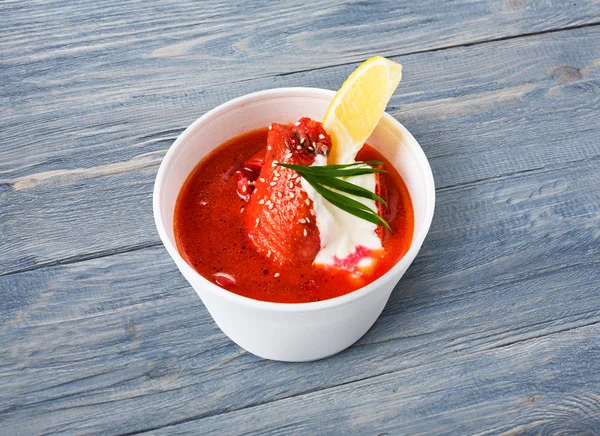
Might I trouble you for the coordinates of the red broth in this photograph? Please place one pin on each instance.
(211, 237)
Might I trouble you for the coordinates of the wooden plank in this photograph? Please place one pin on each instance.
(88, 190)
(532, 387)
(121, 343)
(56, 51)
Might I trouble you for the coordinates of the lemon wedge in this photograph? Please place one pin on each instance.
(357, 107)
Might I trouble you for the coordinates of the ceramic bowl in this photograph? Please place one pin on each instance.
(303, 331)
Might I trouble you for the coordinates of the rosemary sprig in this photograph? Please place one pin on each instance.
(326, 181)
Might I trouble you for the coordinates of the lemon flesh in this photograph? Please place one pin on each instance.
(357, 107)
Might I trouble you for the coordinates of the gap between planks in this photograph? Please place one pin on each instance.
(410, 53)
(85, 256)
(538, 170)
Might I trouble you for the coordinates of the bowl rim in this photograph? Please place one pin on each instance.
(348, 298)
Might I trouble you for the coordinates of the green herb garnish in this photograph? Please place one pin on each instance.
(326, 181)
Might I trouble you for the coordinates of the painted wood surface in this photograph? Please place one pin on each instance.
(494, 328)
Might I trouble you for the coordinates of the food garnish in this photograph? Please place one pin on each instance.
(358, 105)
(350, 119)
(326, 181)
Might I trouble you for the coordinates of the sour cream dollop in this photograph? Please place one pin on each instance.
(346, 241)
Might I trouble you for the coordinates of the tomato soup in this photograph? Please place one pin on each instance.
(211, 235)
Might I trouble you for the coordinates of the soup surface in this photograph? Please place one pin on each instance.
(211, 235)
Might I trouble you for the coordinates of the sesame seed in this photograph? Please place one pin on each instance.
(271, 206)
(307, 201)
(305, 232)
(314, 144)
(242, 210)
(268, 202)
(310, 149)
(312, 212)
(297, 123)
(291, 195)
(262, 179)
(257, 220)
(276, 275)
(275, 179)
(298, 147)
(276, 172)
(321, 136)
(269, 253)
(291, 185)
(301, 140)
(269, 147)
(270, 127)
(308, 220)
(274, 163)
(262, 201)
(288, 156)
(301, 220)
(244, 188)
(280, 195)
(273, 183)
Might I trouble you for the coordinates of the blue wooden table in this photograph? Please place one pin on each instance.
(495, 329)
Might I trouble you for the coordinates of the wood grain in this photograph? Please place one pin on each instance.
(58, 52)
(88, 190)
(493, 330)
(121, 343)
(501, 391)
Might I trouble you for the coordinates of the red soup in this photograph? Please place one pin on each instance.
(212, 234)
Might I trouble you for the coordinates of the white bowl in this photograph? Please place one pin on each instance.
(303, 331)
